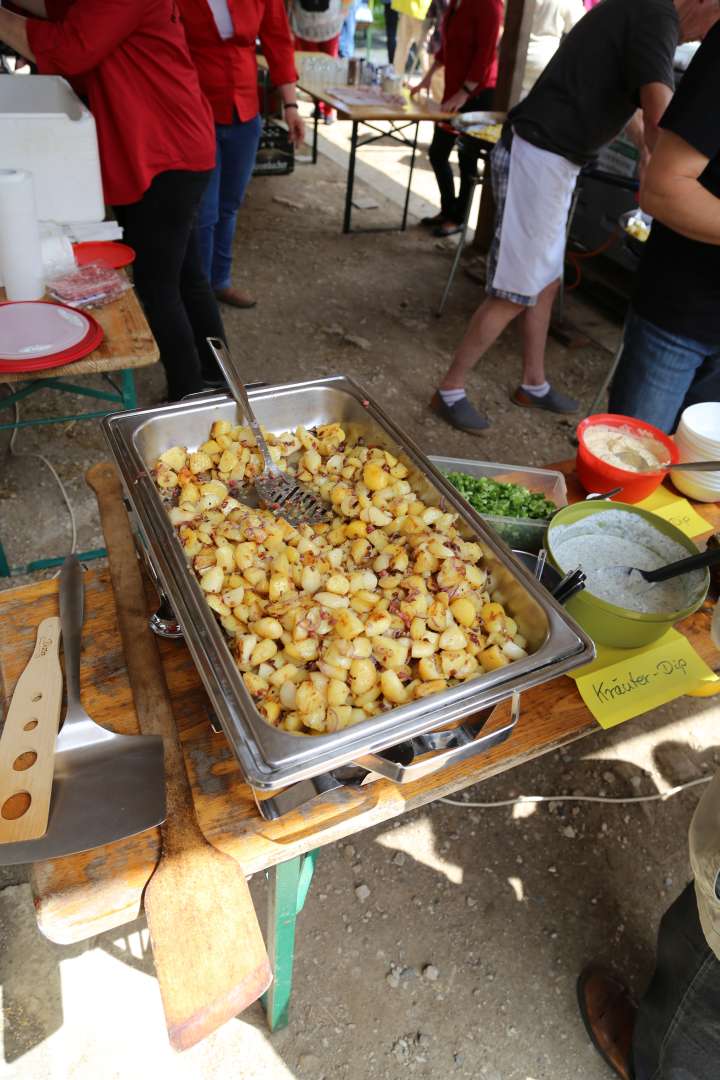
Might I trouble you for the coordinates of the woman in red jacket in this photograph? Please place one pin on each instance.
(222, 37)
(129, 58)
(468, 51)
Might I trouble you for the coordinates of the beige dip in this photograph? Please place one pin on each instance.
(625, 449)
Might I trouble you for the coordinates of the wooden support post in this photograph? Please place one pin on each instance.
(511, 68)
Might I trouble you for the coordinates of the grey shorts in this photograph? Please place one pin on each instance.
(500, 173)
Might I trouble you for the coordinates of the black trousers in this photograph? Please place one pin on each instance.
(677, 1029)
(453, 206)
(391, 22)
(179, 304)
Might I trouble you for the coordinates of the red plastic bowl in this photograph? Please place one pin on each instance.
(596, 475)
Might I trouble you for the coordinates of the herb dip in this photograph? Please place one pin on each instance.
(600, 542)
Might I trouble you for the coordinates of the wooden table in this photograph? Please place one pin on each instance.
(397, 113)
(128, 344)
(83, 895)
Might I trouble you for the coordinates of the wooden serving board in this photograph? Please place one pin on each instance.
(82, 895)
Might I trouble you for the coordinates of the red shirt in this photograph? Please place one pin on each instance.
(468, 44)
(227, 68)
(130, 59)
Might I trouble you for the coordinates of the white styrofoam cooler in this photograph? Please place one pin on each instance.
(46, 129)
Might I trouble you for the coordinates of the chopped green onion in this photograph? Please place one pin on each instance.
(499, 499)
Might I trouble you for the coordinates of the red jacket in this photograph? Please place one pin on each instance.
(468, 43)
(227, 68)
(131, 60)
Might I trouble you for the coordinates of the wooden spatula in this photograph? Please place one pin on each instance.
(209, 952)
(27, 746)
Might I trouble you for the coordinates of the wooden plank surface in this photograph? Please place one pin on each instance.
(85, 894)
(319, 88)
(128, 343)
(417, 108)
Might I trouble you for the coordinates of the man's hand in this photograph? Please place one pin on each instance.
(295, 126)
(456, 101)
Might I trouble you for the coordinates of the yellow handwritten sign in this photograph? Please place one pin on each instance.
(622, 683)
(681, 514)
(659, 497)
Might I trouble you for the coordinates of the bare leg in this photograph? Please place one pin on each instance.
(486, 326)
(534, 327)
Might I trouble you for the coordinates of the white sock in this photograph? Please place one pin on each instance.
(537, 391)
(451, 397)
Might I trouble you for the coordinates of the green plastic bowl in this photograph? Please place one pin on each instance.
(610, 624)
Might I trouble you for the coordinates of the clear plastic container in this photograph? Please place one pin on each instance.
(528, 534)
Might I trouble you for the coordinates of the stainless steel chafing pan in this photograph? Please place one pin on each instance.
(271, 758)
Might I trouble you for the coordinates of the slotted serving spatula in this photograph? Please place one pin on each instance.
(280, 492)
(27, 745)
(104, 786)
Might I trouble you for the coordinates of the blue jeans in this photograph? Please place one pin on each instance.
(660, 374)
(237, 145)
(677, 1030)
(347, 34)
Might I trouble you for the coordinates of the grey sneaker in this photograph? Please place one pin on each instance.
(462, 415)
(553, 401)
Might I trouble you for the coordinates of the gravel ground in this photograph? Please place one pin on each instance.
(446, 943)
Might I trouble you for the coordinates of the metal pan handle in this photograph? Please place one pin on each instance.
(454, 745)
(463, 743)
(299, 794)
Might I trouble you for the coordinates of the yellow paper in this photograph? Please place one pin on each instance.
(622, 683)
(685, 517)
(660, 497)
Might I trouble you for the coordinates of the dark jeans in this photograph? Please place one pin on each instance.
(391, 22)
(677, 1030)
(180, 305)
(660, 374)
(237, 145)
(453, 207)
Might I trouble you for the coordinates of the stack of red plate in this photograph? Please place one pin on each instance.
(39, 334)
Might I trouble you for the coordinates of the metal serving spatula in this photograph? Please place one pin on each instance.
(281, 493)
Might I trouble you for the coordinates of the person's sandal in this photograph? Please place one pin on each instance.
(553, 401)
(608, 1013)
(462, 415)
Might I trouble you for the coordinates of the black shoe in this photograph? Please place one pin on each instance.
(431, 222)
(462, 415)
(447, 228)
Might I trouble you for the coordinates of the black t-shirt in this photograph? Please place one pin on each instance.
(591, 87)
(678, 286)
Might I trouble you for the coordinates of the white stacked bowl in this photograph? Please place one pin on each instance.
(698, 439)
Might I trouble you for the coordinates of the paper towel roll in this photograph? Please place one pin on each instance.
(20, 252)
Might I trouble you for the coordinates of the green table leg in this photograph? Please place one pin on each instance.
(289, 887)
(127, 389)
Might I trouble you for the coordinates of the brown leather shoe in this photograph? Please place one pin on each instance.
(235, 298)
(608, 1013)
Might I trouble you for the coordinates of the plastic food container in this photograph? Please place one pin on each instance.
(527, 534)
(46, 129)
(596, 475)
(611, 624)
